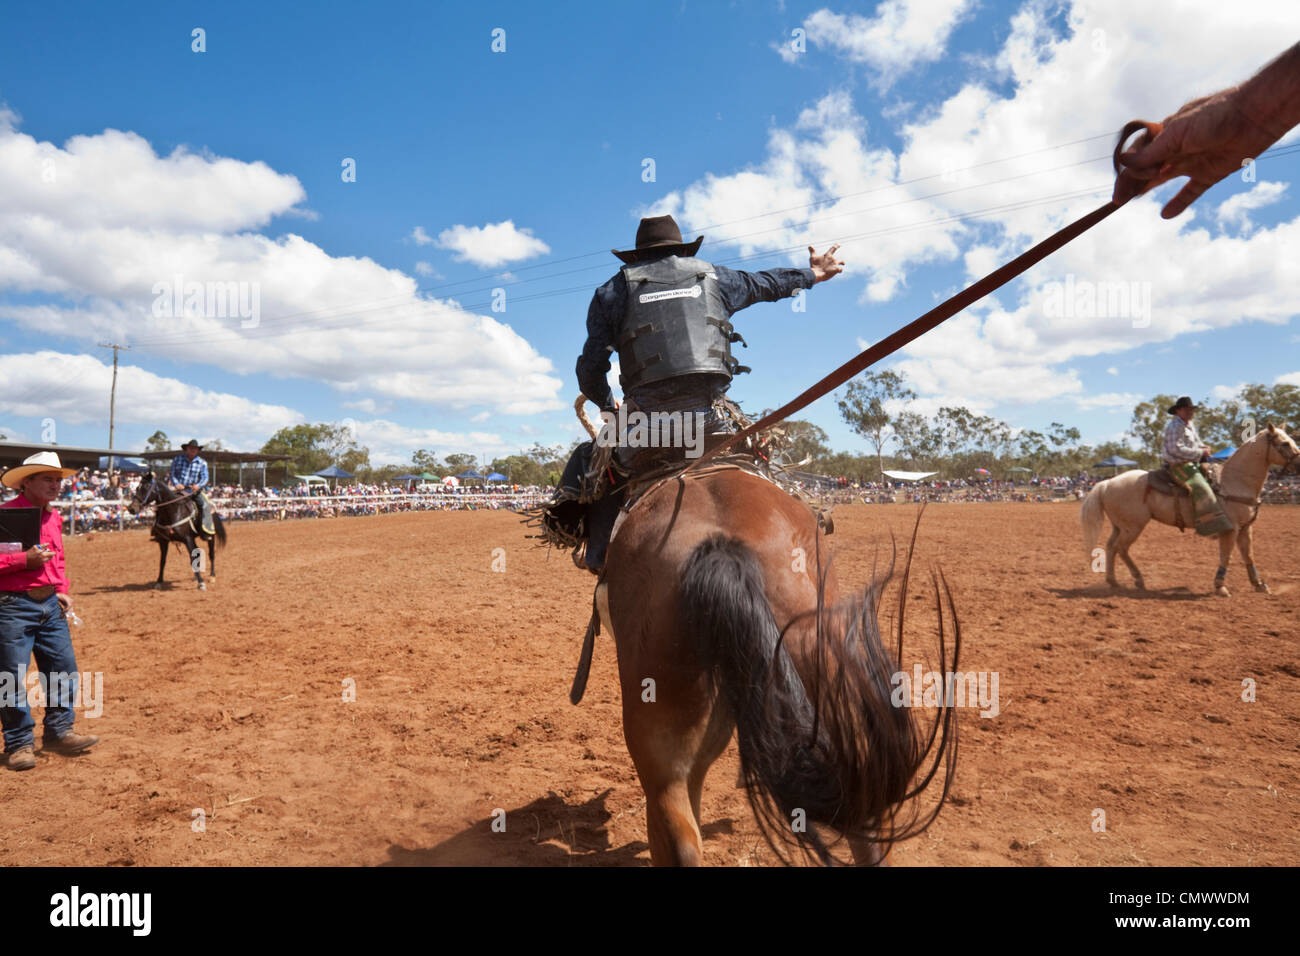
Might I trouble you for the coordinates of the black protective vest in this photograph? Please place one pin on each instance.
(675, 323)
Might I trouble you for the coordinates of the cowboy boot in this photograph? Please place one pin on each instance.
(24, 758)
(205, 514)
(1210, 517)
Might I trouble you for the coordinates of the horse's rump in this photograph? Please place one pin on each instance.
(720, 591)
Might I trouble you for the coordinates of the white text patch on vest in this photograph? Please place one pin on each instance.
(691, 293)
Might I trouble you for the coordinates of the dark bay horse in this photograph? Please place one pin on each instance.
(724, 613)
(176, 518)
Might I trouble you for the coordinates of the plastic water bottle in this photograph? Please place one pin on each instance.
(72, 617)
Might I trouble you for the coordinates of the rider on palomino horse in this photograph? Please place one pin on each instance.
(190, 474)
(673, 336)
(1183, 453)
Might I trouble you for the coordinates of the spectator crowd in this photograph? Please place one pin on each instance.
(100, 501)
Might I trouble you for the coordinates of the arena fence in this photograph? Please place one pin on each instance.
(112, 513)
(100, 514)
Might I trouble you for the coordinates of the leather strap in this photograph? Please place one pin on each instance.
(946, 310)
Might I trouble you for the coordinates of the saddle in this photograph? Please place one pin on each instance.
(1162, 482)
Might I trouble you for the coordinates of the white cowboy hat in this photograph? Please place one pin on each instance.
(37, 463)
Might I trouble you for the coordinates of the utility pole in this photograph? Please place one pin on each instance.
(112, 414)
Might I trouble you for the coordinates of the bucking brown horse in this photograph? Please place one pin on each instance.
(723, 608)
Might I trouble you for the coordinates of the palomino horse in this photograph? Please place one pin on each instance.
(1129, 504)
(720, 610)
(176, 518)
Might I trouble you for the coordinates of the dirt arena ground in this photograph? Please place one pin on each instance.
(231, 701)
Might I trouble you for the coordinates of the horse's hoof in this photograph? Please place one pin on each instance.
(1140, 585)
(1262, 588)
(202, 586)
(157, 585)
(1222, 591)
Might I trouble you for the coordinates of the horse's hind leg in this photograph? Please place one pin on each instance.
(212, 559)
(670, 823)
(1110, 556)
(1126, 537)
(672, 749)
(867, 852)
(196, 565)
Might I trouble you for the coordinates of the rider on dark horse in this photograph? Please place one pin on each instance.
(189, 474)
(667, 314)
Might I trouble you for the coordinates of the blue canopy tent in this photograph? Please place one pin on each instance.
(333, 471)
(497, 476)
(1223, 454)
(123, 464)
(470, 475)
(1116, 462)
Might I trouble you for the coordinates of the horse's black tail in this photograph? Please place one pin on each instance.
(220, 527)
(834, 751)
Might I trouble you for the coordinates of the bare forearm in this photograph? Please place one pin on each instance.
(1271, 98)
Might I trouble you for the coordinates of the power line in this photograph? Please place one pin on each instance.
(181, 340)
(709, 228)
(348, 315)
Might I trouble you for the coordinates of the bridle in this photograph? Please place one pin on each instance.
(1291, 455)
(154, 492)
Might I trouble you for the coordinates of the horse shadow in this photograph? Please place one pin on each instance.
(549, 831)
(1133, 594)
(119, 588)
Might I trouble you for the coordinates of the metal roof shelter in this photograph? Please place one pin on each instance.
(71, 456)
(217, 456)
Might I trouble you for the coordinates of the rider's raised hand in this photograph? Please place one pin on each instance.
(825, 266)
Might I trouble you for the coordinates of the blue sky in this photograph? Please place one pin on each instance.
(945, 135)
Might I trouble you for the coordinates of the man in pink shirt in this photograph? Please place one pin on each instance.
(33, 603)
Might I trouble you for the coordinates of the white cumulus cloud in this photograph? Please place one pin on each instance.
(95, 250)
(492, 245)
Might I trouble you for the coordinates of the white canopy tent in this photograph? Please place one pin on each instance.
(910, 475)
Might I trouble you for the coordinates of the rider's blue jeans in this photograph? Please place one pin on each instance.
(30, 627)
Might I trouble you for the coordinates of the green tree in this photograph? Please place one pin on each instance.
(425, 461)
(158, 441)
(1148, 423)
(461, 462)
(806, 441)
(313, 447)
(1032, 450)
(918, 441)
(1276, 404)
(863, 407)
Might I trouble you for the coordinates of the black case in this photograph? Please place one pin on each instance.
(22, 525)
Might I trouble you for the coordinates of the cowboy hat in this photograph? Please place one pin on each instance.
(37, 463)
(659, 234)
(1184, 402)
(192, 443)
